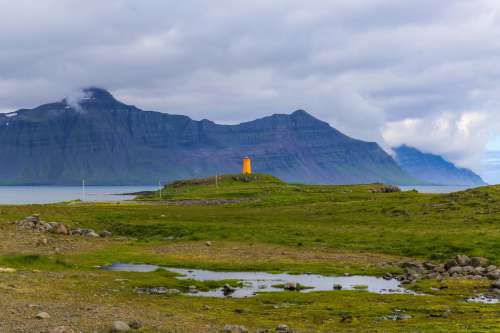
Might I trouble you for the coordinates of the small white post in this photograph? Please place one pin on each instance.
(159, 184)
(83, 189)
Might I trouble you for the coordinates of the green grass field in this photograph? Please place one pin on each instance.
(259, 223)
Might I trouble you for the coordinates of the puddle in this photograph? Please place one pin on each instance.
(257, 282)
(485, 299)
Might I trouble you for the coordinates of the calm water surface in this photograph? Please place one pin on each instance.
(436, 189)
(10, 195)
(256, 282)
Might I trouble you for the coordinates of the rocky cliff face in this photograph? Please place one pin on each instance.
(433, 168)
(105, 141)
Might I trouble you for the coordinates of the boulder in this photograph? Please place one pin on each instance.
(493, 275)
(478, 262)
(120, 326)
(337, 286)
(491, 268)
(60, 229)
(455, 270)
(469, 270)
(462, 260)
(450, 263)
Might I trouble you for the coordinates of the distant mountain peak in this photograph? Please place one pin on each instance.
(433, 168)
(98, 93)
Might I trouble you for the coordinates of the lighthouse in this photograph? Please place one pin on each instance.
(247, 166)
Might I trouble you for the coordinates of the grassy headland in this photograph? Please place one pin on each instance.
(258, 222)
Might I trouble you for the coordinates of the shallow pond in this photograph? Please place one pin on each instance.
(255, 282)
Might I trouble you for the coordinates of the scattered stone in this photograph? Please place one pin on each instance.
(42, 315)
(120, 326)
(491, 268)
(105, 234)
(478, 262)
(388, 276)
(62, 329)
(462, 260)
(227, 290)
(455, 270)
(282, 328)
(134, 324)
(337, 286)
(493, 275)
(206, 307)
(208, 243)
(60, 229)
(450, 263)
(235, 329)
(469, 270)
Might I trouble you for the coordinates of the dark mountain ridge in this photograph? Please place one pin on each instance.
(434, 168)
(106, 142)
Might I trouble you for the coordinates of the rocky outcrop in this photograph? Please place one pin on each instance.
(34, 223)
(459, 267)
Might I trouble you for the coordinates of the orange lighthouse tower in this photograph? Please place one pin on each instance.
(247, 166)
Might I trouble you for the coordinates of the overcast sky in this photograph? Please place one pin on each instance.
(421, 72)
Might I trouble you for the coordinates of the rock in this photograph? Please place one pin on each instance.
(413, 267)
(429, 266)
(412, 277)
(387, 276)
(76, 232)
(337, 286)
(291, 286)
(469, 270)
(480, 270)
(235, 329)
(496, 284)
(403, 316)
(134, 324)
(491, 268)
(440, 268)
(455, 270)
(92, 234)
(208, 243)
(478, 262)
(42, 315)
(172, 292)
(493, 275)
(462, 260)
(62, 329)
(282, 328)
(227, 290)
(105, 234)
(120, 326)
(450, 263)
(7, 270)
(60, 229)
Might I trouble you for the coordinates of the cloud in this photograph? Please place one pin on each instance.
(379, 70)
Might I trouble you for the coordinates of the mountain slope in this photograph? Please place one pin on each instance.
(105, 141)
(434, 168)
